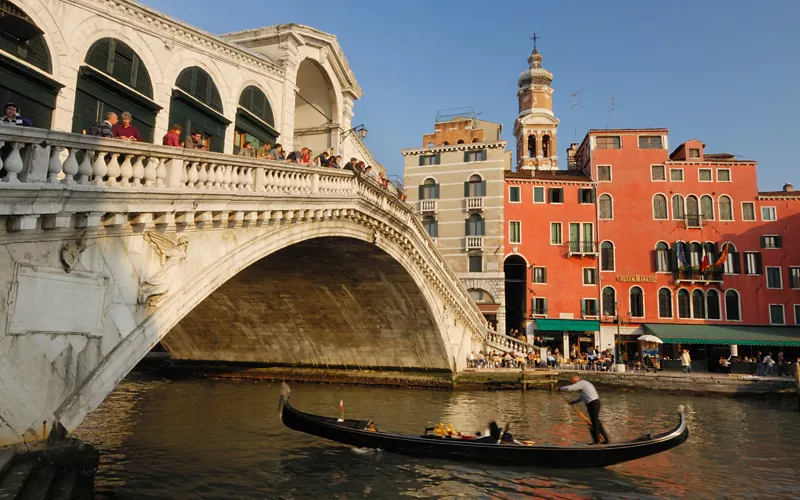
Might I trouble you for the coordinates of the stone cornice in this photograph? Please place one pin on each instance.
(165, 27)
(467, 146)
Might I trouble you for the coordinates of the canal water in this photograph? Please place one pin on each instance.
(223, 440)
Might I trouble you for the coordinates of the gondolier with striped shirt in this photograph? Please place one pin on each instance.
(592, 400)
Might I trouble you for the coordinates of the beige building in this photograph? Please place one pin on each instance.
(455, 183)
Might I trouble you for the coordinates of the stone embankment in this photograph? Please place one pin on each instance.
(496, 379)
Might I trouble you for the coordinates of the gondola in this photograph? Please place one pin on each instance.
(363, 434)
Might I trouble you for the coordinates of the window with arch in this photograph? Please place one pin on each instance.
(678, 207)
(637, 302)
(665, 303)
(725, 208)
(475, 225)
(606, 206)
(475, 187)
(663, 258)
(546, 146)
(607, 256)
(531, 146)
(707, 207)
(712, 305)
(460, 141)
(429, 190)
(254, 100)
(445, 143)
(660, 207)
(684, 304)
(609, 301)
(198, 83)
(117, 59)
(695, 254)
(692, 206)
(480, 296)
(431, 226)
(476, 140)
(732, 263)
(732, 312)
(710, 250)
(698, 304)
(29, 45)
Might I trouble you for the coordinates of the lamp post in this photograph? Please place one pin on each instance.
(620, 365)
(359, 129)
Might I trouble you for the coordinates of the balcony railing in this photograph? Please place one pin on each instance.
(475, 203)
(694, 221)
(582, 247)
(474, 242)
(694, 275)
(426, 206)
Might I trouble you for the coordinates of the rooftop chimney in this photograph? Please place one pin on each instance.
(571, 159)
(788, 188)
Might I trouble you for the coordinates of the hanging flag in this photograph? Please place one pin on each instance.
(704, 261)
(724, 257)
(681, 252)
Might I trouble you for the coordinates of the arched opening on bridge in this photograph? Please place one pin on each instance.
(114, 78)
(315, 108)
(515, 270)
(254, 120)
(196, 105)
(25, 66)
(328, 302)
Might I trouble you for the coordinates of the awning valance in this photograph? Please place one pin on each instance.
(726, 335)
(567, 325)
(489, 308)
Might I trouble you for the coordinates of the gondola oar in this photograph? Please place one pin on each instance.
(505, 429)
(603, 439)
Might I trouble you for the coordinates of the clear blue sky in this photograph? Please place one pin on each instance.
(724, 72)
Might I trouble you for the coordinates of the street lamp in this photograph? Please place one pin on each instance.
(620, 364)
(359, 129)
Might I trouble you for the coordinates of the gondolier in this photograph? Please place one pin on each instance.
(592, 400)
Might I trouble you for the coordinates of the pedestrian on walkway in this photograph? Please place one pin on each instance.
(592, 401)
(686, 361)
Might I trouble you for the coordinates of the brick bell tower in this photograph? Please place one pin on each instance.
(536, 126)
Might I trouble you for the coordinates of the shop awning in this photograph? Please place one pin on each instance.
(489, 308)
(726, 335)
(567, 325)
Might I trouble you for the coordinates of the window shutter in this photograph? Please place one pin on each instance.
(759, 269)
(438, 159)
(436, 229)
(544, 275)
(669, 259)
(483, 188)
(737, 267)
(550, 195)
(580, 196)
(466, 227)
(763, 242)
(466, 157)
(480, 226)
(583, 307)
(466, 189)
(779, 241)
(421, 192)
(421, 160)
(437, 191)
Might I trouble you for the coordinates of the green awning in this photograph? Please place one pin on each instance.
(568, 325)
(726, 335)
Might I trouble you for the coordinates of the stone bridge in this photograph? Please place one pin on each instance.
(109, 247)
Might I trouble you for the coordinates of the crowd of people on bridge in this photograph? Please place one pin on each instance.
(113, 126)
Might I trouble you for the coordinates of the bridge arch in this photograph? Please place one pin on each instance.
(437, 339)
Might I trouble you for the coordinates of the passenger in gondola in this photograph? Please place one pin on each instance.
(495, 435)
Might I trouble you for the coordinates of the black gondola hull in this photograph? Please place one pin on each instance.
(353, 433)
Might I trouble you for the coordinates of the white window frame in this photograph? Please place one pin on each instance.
(672, 297)
(598, 206)
(580, 193)
(719, 208)
(789, 274)
(689, 153)
(783, 313)
(533, 274)
(509, 194)
(560, 233)
(738, 305)
(710, 174)
(774, 212)
(678, 304)
(771, 236)
(720, 303)
(583, 276)
(510, 223)
(596, 308)
(544, 195)
(755, 215)
(610, 173)
(691, 304)
(746, 266)
(667, 206)
(669, 264)
(600, 257)
(674, 169)
(630, 303)
(533, 307)
(729, 261)
(556, 202)
(730, 174)
(651, 173)
(780, 277)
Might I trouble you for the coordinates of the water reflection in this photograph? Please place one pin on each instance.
(222, 439)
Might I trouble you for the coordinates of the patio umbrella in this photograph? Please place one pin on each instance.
(651, 338)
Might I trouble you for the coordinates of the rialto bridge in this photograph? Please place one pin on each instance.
(107, 248)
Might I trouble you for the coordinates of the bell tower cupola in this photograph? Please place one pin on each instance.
(536, 126)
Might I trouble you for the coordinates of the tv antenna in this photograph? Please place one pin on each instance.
(574, 97)
(613, 108)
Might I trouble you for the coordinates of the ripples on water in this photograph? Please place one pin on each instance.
(223, 439)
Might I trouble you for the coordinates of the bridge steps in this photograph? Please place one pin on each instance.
(64, 471)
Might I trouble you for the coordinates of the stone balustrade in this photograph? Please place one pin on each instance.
(41, 169)
(508, 344)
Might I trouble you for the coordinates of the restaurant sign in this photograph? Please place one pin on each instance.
(637, 279)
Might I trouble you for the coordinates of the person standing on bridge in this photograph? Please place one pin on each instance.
(592, 400)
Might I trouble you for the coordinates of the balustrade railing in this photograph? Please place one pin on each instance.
(475, 203)
(508, 344)
(473, 242)
(426, 206)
